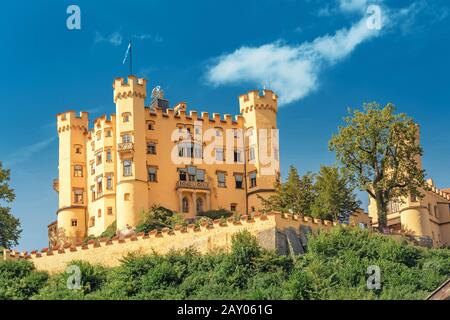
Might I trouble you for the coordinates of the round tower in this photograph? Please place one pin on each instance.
(132, 186)
(259, 111)
(71, 221)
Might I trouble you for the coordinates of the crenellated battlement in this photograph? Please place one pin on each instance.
(193, 115)
(134, 87)
(265, 100)
(72, 120)
(204, 237)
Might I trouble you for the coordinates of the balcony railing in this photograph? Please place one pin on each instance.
(56, 185)
(193, 185)
(126, 147)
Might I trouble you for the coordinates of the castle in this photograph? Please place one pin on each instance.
(427, 218)
(155, 155)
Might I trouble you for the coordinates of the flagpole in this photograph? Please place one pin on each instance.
(131, 59)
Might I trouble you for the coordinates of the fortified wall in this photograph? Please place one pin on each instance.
(283, 233)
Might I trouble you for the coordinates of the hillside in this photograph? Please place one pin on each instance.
(335, 267)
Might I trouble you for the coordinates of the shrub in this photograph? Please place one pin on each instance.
(157, 218)
(216, 214)
(20, 280)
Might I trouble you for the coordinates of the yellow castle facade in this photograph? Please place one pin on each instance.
(119, 166)
(425, 218)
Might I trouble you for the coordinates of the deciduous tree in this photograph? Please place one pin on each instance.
(380, 151)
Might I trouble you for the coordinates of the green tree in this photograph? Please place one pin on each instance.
(335, 198)
(9, 225)
(296, 195)
(379, 150)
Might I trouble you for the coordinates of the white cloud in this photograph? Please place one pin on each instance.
(25, 153)
(353, 5)
(114, 38)
(292, 70)
(146, 36)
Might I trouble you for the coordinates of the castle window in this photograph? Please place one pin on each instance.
(93, 192)
(126, 197)
(236, 133)
(100, 186)
(218, 132)
(185, 150)
(152, 174)
(250, 132)
(109, 181)
(127, 168)
(436, 211)
(238, 178)
(185, 205)
(78, 149)
(183, 174)
(198, 152)
(109, 211)
(150, 125)
(220, 154)
(78, 196)
(108, 133)
(99, 213)
(200, 175)
(92, 222)
(78, 171)
(99, 135)
(98, 158)
(151, 148)
(251, 153)
(126, 116)
(126, 138)
(233, 207)
(93, 145)
(108, 155)
(221, 182)
(199, 205)
(413, 198)
(237, 156)
(92, 168)
(253, 179)
(74, 222)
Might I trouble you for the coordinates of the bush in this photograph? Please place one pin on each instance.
(335, 267)
(216, 214)
(157, 218)
(19, 280)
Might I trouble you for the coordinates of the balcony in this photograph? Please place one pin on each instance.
(126, 147)
(200, 185)
(56, 185)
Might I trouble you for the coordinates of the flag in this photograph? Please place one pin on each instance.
(126, 53)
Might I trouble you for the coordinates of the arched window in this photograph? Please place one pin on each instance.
(127, 170)
(185, 205)
(199, 205)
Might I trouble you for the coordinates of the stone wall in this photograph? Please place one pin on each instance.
(284, 233)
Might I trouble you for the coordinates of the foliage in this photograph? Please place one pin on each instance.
(326, 195)
(297, 194)
(380, 150)
(216, 214)
(335, 198)
(157, 218)
(335, 267)
(9, 225)
(19, 280)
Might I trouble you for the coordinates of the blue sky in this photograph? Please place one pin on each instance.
(316, 55)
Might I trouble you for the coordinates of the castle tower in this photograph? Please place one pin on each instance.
(415, 219)
(132, 187)
(260, 117)
(72, 176)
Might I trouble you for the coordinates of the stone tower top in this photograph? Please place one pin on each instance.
(255, 99)
(134, 87)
